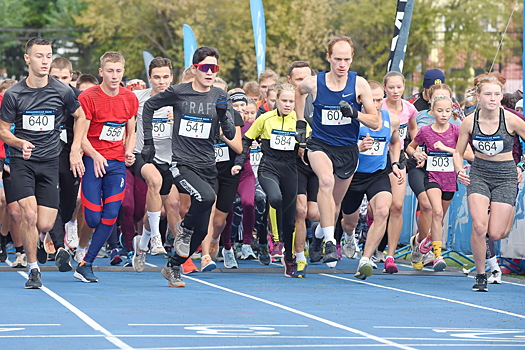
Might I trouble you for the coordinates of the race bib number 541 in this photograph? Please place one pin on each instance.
(42, 120)
(195, 127)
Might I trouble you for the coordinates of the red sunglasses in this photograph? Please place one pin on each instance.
(205, 67)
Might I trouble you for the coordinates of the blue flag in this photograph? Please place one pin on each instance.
(190, 45)
(148, 57)
(259, 33)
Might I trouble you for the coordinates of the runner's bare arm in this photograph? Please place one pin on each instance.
(307, 86)
(364, 96)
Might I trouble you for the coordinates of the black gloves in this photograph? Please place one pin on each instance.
(300, 133)
(221, 106)
(347, 110)
(148, 151)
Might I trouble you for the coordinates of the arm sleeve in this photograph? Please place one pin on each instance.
(71, 101)
(87, 105)
(158, 101)
(227, 124)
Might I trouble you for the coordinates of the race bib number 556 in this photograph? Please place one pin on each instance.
(112, 131)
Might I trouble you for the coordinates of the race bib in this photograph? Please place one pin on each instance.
(42, 120)
(161, 128)
(63, 133)
(112, 131)
(331, 115)
(221, 152)
(378, 147)
(440, 161)
(255, 156)
(282, 140)
(403, 130)
(489, 145)
(195, 127)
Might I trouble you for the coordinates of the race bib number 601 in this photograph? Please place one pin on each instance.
(331, 115)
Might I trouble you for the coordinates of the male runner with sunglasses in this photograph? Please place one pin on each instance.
(199, 109)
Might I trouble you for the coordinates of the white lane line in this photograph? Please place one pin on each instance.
(85, 318)
(307, 315)
(428, 296)
(29, 324)
(215, 325)
(455, 328)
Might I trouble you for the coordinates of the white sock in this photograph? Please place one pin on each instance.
(144, 239)
(300, 256)
(319, 232)
(364, 260)
(493, 263)
(154, 222)
(348, 237)
(34, 265)
(81, 249)
(328, 233)
(73, 222)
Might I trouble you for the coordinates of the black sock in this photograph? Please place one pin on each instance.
(19, 249)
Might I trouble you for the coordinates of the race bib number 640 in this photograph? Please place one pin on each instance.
(42, 120)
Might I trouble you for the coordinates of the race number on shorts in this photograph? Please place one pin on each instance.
(112, 131)
(40, 120)
(195, 127)
(440, 161)
(331, 115)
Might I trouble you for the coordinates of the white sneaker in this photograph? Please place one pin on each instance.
(247, 252)
(349, 248)
(20, 261)
(156, 246)
(79, 255)
(139, 256)
(378, 257)
(229, 259)
(495, 277)
(71, 235)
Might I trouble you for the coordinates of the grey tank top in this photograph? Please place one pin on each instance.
(499, 142)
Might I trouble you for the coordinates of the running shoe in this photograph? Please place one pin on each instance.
(416, 255)
(41, 254)
(288, 267)
(20, 261)
(156, 246)
(481, 283)
(439, 264)
(170, 239)
(139, 256)
(3, 253)
(390, 266)
(277, 250)
(364, 270)
(495, 277)
(330, 253)
(79, 255)
(102, 254)
(247, 252)
(378, 257)
(339, 252)
(426, 245)
(264, 256)
(33, 280)
(173, 275)
(428, 259)
(84, 272)
(63, 260)
(300, 269)
(207, 264)
(417, 266)
(349, 248)
(114, 257)
(129, 259)
(71, 235)
(182, 240)
(189, 267)
(229, 259)
(316, 249)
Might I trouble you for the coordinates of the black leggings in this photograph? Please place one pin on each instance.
(200, 187)
(279, 180)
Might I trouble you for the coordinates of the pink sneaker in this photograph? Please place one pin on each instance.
(426, 245)
(277, 251)
(390, 266)
(439, 264)
(339, 252)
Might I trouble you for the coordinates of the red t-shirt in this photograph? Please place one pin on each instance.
(108, 115)
(2, 146)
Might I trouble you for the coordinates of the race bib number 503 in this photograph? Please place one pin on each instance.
(41, 120)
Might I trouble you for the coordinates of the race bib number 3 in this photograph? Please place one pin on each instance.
(255, 156)
(378, 147)
(282, 140)
(489, 145)
(161, 128)
(42, 120)
(112, 131)
(403, 131)
(440, 161)
(331, 115)
(195, 127)
(221, 152)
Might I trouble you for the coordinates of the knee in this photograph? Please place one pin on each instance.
(425, 207)
(92, 219)
(437, 214)
(326, 183)
(30, 216)
(396, 209)
(479, 228)
(381, 213)
(276, 202)
(154, 183)
(301, 212)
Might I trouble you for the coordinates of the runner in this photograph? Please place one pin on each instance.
(35, 145)
(110, 109)
(332, 149)
(493, 176)
(372, 179)
(199, 109)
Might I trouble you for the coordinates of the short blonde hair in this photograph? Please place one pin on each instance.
(113, 57)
